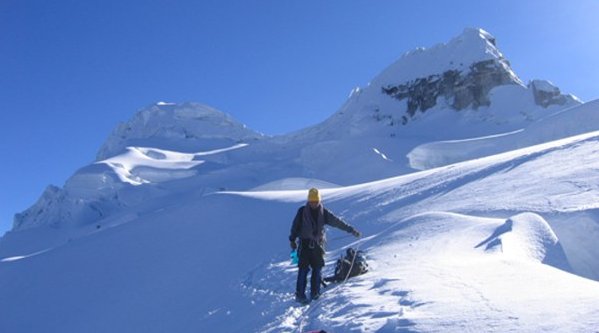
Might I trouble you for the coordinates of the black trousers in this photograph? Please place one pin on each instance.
(311, 257)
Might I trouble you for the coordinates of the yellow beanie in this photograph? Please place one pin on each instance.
(313, 195)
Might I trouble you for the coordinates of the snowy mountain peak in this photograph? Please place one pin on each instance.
(463, 71)
(183, 127)
(478, 36)
(467, 74)
(459, 54)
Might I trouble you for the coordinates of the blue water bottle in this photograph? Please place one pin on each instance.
(294, 258)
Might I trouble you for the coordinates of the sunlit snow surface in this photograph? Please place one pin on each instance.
(182, 223)
(457, 248)
(141, 165)
(439, 271)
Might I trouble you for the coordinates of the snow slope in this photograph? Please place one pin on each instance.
(576, 120)
(451, 249)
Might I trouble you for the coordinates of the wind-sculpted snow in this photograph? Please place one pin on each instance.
(527, 236)
(569, 122)
(107, 187)
(557, 180)
(429, 274)
(219, 262)
(141, 165)
(180, 127)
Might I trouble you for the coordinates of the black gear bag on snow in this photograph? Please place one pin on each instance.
(344, 268)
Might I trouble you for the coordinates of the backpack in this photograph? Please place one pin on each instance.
(344, 264)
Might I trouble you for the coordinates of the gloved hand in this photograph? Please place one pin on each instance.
(356, 233)
(293, 245)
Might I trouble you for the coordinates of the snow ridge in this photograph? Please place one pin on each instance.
(177, 127)
(473, 45)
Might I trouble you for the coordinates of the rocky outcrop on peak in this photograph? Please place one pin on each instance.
(467, 89)
(546, 94)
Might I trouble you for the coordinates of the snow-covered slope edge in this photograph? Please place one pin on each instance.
(429, 275)
(576, 120)
(443, 252)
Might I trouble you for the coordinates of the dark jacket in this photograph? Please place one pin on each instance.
(308, 228)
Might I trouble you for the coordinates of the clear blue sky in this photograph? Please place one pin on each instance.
(70, 70)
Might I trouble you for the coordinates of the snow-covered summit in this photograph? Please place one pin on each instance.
(184, 127)
(472, 46)
(459, 89)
